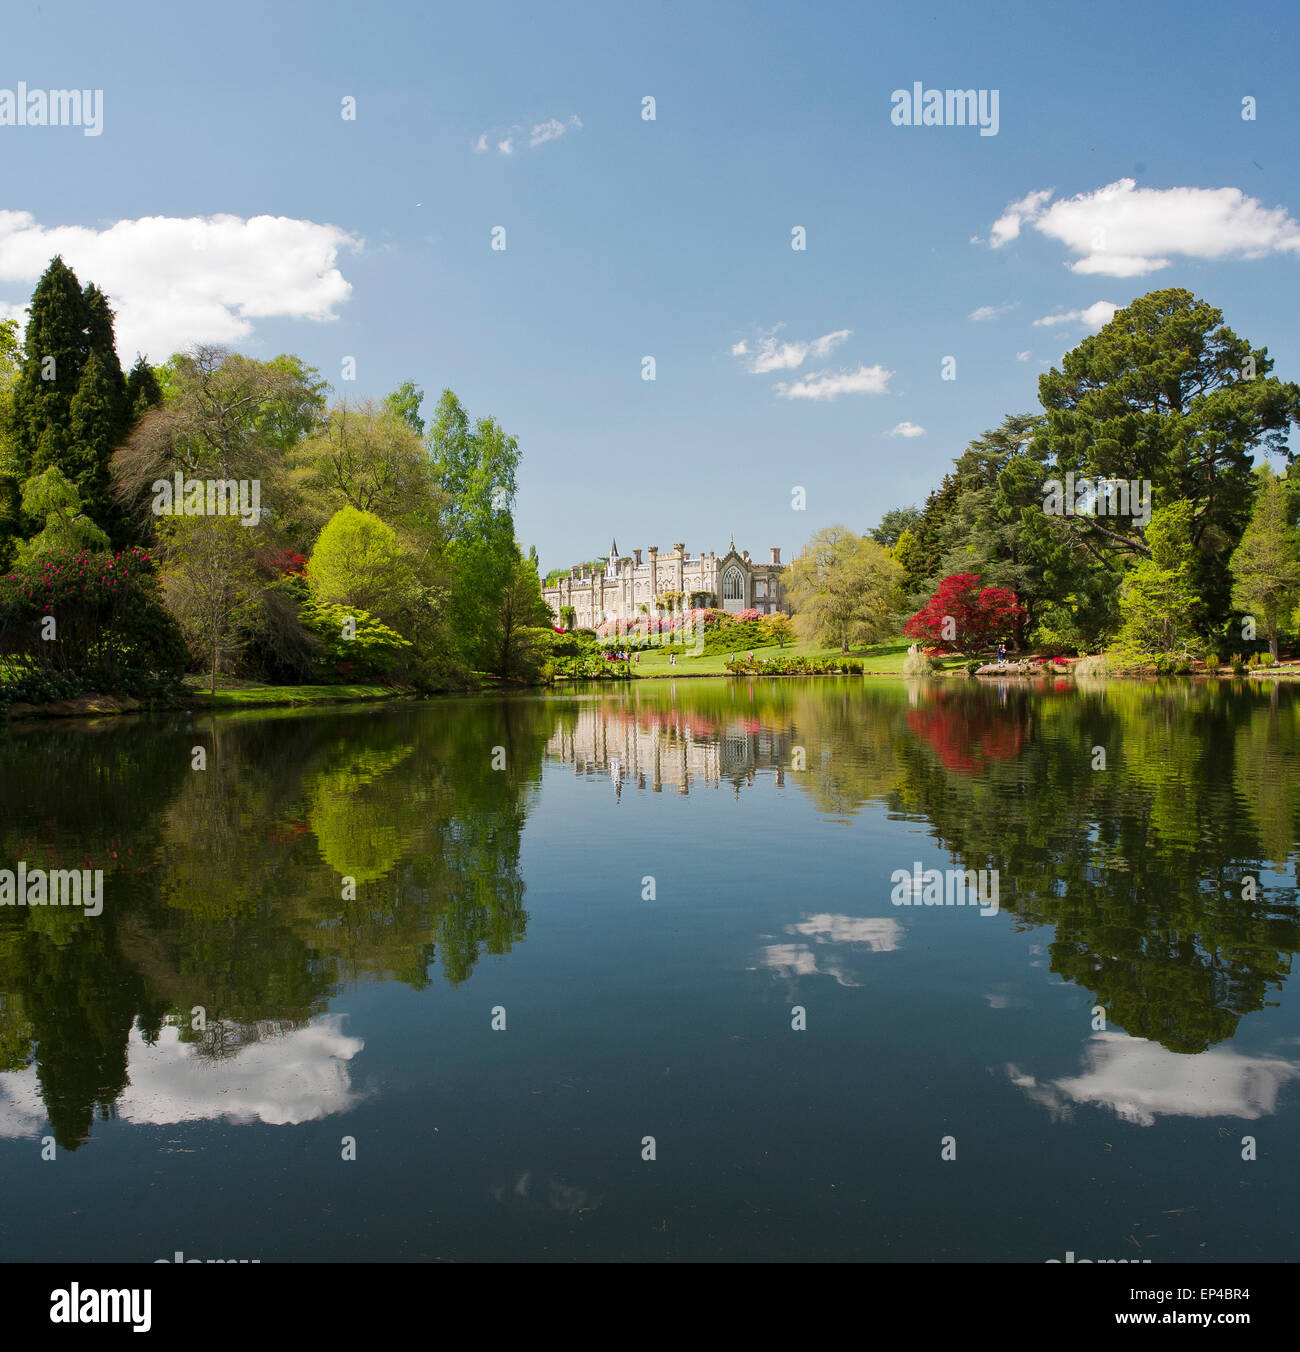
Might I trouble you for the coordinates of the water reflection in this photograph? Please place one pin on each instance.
(1141, 1081)
(384, 844)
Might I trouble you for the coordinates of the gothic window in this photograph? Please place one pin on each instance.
(733, 585)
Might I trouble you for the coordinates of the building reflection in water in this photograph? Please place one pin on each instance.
(671, 748)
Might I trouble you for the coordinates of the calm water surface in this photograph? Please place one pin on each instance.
(645, 891)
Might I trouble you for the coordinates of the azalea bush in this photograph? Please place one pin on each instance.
(110, 634)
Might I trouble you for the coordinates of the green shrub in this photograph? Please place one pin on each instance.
(374, 651)
(1238, 665)
(1266, 659)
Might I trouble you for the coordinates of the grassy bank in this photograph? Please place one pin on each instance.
(881, 659)
(250, 694)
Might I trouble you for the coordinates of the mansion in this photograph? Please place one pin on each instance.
(630, 587)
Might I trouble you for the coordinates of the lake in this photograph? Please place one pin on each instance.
(419, 980)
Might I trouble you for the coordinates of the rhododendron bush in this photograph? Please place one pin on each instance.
(96, 616)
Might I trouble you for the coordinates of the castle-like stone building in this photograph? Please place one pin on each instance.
(629, 587)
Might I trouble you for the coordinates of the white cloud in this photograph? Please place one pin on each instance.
(831, 384)
(1007, 226)
(538, 134)
(1023, 356)
(992, 311)
(1093, 318)
(906, 429)
(1122, 230)
(176, 281)
(552, 130)
(774, 356)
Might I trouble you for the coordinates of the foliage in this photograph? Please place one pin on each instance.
(112, 632)
(1158, 601)
(1167, 393)
(894, 524)
(844, 588)
(358, 561)
(52, 499)
(1266, 564)
(354, 645)
(964, 617)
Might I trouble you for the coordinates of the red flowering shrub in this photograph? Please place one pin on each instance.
(111, 630)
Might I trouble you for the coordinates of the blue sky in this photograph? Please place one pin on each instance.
(669, 238)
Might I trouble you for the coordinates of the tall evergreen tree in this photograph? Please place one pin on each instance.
(143, 391)
(101, 341)
(55, 351)
(95, 425)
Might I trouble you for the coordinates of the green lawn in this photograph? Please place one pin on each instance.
(882, 658)
(245, 694)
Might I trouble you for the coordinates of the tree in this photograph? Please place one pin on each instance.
(1166, 393)
(1266, 564)
(143, 391)
(11, 360)
(1158, 601)
(568, 617)
(70, 408)
(965, 617)
(404, 403)
(365, 457)
(476, 468)
(779, 627)
(359, 561)
(844, 588)
(97, 425)
(224, 417)
(524, 622)
(211, 582)
(893, 524)
(50, 498)
(55, 350)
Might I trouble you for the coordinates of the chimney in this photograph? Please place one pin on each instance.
(636, 553)
(652, 550)
(679, 548)
(776, 556)
(744, 554)
(573, 571)
(586, 571)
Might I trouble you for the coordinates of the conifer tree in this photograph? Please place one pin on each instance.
(55, 350)
(94, 422)
(143, 391)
